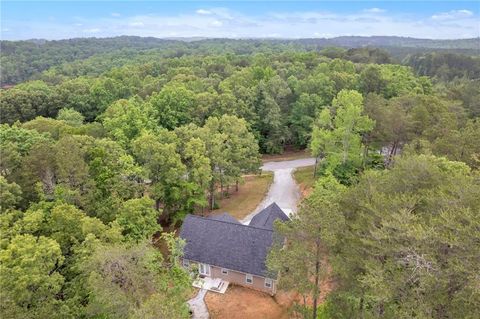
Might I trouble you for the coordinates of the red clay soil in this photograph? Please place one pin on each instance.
(243, 303)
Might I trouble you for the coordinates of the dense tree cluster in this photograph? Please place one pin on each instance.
(400, 243)
(445, 66)
(277, 94)
(98, 152)
(23, 60)
(392, 221)
(80, 204)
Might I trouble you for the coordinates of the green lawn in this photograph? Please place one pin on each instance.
(250, 194)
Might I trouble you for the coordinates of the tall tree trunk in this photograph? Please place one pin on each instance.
(365, 155)
(221, 184)
(316, 288)
(361, 307)
(236, 185)
(392, 153)
(315, 167)
(305, 312)
(212, 195)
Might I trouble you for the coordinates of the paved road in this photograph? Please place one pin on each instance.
(284, 190)
(198, 306)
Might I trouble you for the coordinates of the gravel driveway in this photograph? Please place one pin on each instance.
(284, 190)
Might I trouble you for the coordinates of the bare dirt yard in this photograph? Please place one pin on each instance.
(243, 303)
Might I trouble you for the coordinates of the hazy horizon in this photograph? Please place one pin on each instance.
(199, 38)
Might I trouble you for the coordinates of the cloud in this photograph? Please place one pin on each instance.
(115, 14)
(454, 14)
(203, 12)
(92, 30)
(216, 23)
(227, 23)
(136, 24)
(374, 10)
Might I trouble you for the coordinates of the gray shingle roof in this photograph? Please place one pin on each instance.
(227, 244)
(225, 218)
(267, 216)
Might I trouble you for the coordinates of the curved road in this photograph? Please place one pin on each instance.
(284, 190)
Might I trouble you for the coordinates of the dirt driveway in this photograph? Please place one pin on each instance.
(284, 190)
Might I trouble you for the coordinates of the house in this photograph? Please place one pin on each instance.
(224, 248)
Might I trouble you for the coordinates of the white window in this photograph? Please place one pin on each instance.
(185, 263)
(249, 279)
(224, 271)
(268, 283)
(204, 269)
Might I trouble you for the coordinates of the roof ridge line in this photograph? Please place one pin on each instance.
(237, 224)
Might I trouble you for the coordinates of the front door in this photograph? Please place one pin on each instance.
(204, 269)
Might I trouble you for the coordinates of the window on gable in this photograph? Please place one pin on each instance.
(249, 279)
(224, 271)
(268, 283)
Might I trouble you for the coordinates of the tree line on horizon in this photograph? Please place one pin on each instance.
(27, 59)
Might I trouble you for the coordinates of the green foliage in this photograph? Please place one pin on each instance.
(303, 115)
(338, 138)
(371, 80)
(137, 219)
(99, 137)
(445, 66)
(28, 100)
(172, 106)
(401, 80)
(10, 194)
(164, 168)
(143, 285)
(410, 238)
(308, 235)
(71, 117)
(29, 277)
(124, 120)
(368, 55)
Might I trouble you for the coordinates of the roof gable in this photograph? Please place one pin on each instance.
(266, 217)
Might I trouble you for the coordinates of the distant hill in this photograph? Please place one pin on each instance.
(389, 41)
(20, 60)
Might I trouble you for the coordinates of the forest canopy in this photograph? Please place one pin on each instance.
(108, 143)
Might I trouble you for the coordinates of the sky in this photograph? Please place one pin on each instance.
(54, 20)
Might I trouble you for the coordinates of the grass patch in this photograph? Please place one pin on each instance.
(304, 177)
(250, 194)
